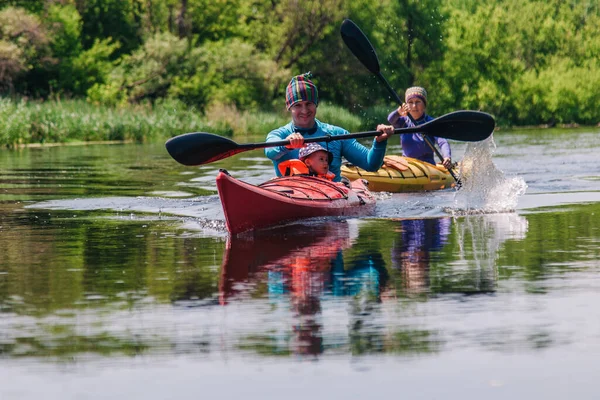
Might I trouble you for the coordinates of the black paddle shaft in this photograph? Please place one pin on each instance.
(199, 148)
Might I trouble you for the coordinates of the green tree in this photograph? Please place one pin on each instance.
(418, 34)
(231, 73)
(560, 93)
(32, 6)
(119, 20)
(24, 51)
(64, 24)
(297, 37)
(147, 73)
(522, 39)
(212, 20)
(511, 58)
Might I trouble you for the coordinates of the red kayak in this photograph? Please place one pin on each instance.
(290, 198)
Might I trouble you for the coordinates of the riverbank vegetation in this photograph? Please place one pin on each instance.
(52, 121)
(143, 70)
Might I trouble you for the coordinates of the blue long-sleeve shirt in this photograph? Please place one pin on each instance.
(367, 159)
(413, 144)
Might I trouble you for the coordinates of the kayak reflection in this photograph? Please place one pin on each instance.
(300, 266)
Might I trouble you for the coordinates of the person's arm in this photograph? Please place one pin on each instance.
(367, 159)
(275, 153)
(395, 118)
(444, 147)
(445, 150)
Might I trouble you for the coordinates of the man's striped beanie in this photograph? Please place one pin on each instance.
(301, 88)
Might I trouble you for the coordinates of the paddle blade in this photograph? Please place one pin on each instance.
(199, 148)
(359, 45)
(466, 126)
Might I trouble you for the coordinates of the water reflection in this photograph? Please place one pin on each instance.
(368, 268)
(300, 266)
(91, 269)
(342, 288)
(412, 253)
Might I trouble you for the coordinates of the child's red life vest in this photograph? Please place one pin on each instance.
(293, 167)
(297, 167)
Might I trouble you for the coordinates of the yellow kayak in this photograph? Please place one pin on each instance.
(402, 174)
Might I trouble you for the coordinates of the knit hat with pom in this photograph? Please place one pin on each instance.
(299, 89)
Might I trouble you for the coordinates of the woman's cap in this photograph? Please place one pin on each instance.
(301, 88)
(416, 91)
(311, 148)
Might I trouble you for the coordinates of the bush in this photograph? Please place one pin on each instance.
(339, 116)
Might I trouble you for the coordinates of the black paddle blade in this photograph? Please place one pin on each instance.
(199, 148)
(466, 126)
(359, 45)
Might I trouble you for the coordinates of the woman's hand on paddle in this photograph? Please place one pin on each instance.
(447, 163)
(386, 132)
(296, 141)
(403, 110)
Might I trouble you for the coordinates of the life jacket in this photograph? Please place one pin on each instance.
(293, 167)
(297, 167)
(329, 176)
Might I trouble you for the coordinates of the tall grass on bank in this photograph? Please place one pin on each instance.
(24, 122)
(65, 121)
(261, 123)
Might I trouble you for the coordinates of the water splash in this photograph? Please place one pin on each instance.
(480, 238)
(485, 188)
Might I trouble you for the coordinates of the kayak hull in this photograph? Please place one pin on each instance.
(404, 174)
(286, 199)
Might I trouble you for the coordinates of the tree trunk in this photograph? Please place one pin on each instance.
(181, 25)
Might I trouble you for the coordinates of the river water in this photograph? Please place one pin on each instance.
(118, 280)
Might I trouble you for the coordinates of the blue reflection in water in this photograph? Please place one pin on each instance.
(412, 254)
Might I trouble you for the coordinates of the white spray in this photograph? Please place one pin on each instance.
(485, 189)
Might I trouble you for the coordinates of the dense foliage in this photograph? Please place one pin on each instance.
(525, 61)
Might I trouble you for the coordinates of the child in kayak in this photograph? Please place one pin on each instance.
(317, 160)
(314, 161)
(413, 144)
(301, 99)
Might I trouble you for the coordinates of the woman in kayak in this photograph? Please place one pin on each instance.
(302, 99)
(413, 144)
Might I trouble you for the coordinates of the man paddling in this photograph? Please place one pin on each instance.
(302, 99)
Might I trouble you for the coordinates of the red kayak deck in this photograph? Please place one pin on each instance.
(286, 199)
